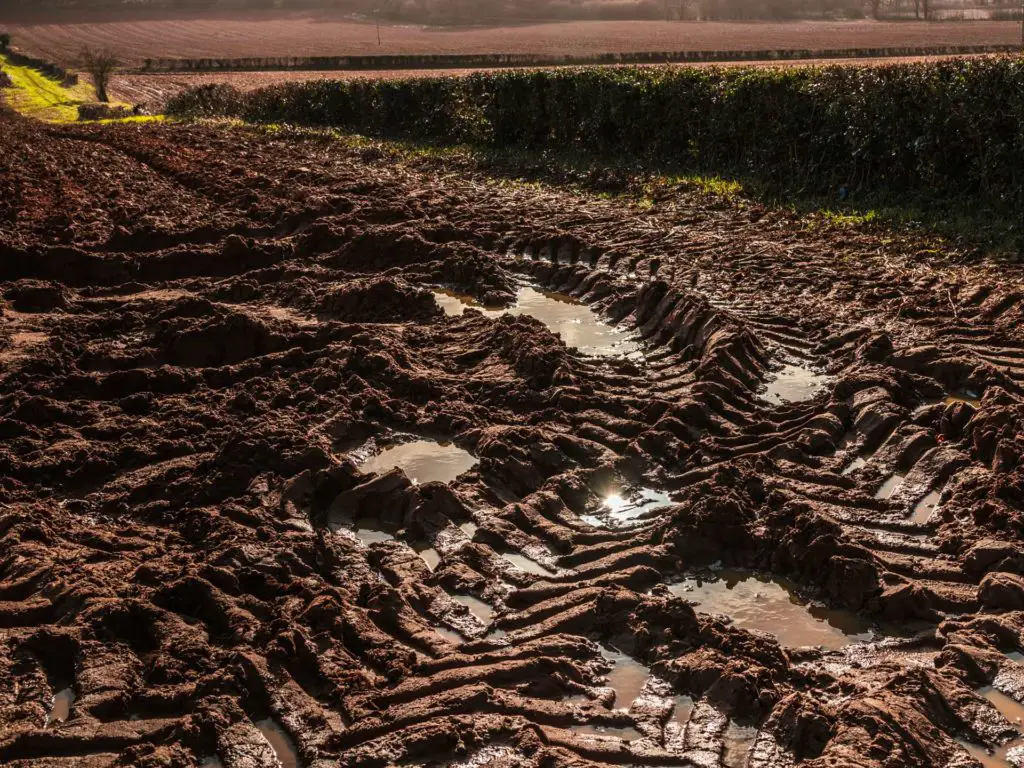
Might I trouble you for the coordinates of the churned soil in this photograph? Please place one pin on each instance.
(201, 327)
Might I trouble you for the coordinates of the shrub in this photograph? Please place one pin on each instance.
(102, 111)
(949, 128)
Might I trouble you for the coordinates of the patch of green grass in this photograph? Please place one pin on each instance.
(37, 96)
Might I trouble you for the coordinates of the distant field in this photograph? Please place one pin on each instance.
(274, 33)
(154, 89)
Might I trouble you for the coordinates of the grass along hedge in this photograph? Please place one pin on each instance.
(952, 129)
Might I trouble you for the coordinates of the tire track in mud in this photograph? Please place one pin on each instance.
(182, 502)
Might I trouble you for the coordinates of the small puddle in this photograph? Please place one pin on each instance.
(282, 743)
(682, 710)
(450, 635)
(890, 485)
(736, 742)
(858, 463)
(455, 303)
(423, 461)
(577, 324)
(924, 509)
(772, 605)
(469, 528)
(429, 555)
(627, 677)
(964, 396)
(625, 507)
(794, 384)
(369, 531)
(608, 732)
(477, 607)
(211, 762)
(60, 710)
(1007, 756)
(523, 563)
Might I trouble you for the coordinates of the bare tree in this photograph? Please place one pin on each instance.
(100, 66)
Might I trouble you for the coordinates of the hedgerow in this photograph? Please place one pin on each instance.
(950, 128)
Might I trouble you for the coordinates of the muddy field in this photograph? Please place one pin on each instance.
(766, 511)
(275, 33)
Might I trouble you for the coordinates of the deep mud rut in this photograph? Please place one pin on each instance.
(205, 332)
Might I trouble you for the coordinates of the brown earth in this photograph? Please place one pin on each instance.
(322, 33)
(200, 324)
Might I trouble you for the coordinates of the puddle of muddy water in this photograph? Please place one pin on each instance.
(682, 710)
(888, 488)
(369, 531)
(477, 607)
(627, 677)
(964, 396)
(450, 635)
(925, 508)
(523, 563)
(423, 461)
(754, 601)
(455, 303)
(794, 384)
(736, 743)
(469, 528)
(858, 463)
(626, 506)
(60, 710)
(283, 746)
(608, 732)
(211, 762)
(429, 555)
(1006, 756)
(577, 324)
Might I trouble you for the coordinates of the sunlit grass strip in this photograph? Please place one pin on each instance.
(37, 96)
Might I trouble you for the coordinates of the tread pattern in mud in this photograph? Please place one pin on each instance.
(202, 328)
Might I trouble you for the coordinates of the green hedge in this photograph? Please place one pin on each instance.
(944, 129)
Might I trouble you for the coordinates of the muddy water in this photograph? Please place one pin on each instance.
(888, 488)
(624, 507)
(627, 677)
(454, 303)
(60, 710)
(477, 607)
(794, 384)
(608, 732)
(469, 528)
(771, 605)
(682, 710)
(858, 463)
(369, 531)
(524, 563)
(211, 762)
(924, 509)
(964, 396)
(737, 741)
(423, 461)
(429, 555)
(577, 324)
(1007, 756)
(282, 743)
(450, 635)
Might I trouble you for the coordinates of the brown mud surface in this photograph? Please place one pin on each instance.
(206, 331)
